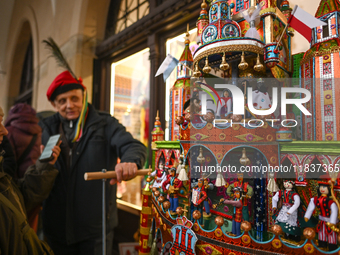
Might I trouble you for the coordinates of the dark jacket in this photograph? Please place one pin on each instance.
(22, 124)
(26, 194)
(73, 211)
(10, 162)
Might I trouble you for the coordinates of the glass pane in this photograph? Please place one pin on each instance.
(130, 93)
(132, 18)
(130, 12)
(121, 12)
(143, 10)
(130, 97)
(175, 47)
(132, 4)
(120, 25)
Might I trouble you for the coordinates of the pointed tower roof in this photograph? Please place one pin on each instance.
(327, 6)
(157, 129)
(186, 55)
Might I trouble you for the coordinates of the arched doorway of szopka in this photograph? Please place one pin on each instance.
(310, 169)
(200, 160)
(251, 164)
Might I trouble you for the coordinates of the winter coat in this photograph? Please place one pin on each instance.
(10, 162)
(22, 124)
(73, 211)
(27, 193)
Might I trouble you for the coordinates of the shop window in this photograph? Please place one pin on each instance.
(130, 93)
(130, 96)
(26, 82)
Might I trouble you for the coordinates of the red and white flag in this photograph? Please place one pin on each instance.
(303, 22)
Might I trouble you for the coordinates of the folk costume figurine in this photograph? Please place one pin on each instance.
(196, 111)
(224, 109)
(172, 185)
(198, 197)
(328, 216)
(287, 216)
(207, 186)
(247, 194)
(261, 99)
(160, 176)
(237, 215)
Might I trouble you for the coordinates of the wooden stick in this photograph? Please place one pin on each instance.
(284, 30)
(110, 174)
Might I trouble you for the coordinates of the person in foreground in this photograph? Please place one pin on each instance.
(16, 236)
(92, 141)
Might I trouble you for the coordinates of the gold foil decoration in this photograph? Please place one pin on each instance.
(258, 67)
(197, 72)
(244, 160)
(201, 158)
(224, 66)
(206, 68)
(243, 65)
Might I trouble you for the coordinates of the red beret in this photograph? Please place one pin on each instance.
(62, 83)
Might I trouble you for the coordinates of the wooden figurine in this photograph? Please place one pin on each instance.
(198, 197)
(287, 215)
(237, 215)
(328, 216)
(160, 176)
(247, 194)
(172, 185)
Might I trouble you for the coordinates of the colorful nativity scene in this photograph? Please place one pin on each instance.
(245, 170)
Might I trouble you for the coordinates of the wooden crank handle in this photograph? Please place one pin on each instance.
(110, 174)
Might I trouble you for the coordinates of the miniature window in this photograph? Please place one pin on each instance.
(131, 11)
(239, 5)
(325, 31)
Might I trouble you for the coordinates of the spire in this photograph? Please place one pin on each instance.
(327, 6)
(157, 133)
(202, 21)
(185, 60)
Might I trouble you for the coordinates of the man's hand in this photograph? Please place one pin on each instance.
(124, 172)
(56, 152)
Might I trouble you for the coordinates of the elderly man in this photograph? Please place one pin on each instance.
(16, 236)
(72, 214)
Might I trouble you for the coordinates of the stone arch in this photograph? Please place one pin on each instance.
(17, 60)
(91, 28)
(23, 26)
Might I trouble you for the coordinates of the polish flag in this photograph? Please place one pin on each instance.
(303, 22)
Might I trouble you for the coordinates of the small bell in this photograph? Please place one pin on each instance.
(224, 65)
(206, 68)
(197, 72)
(200, 158)
(243, 65)
(258, 67)
(244, 160)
